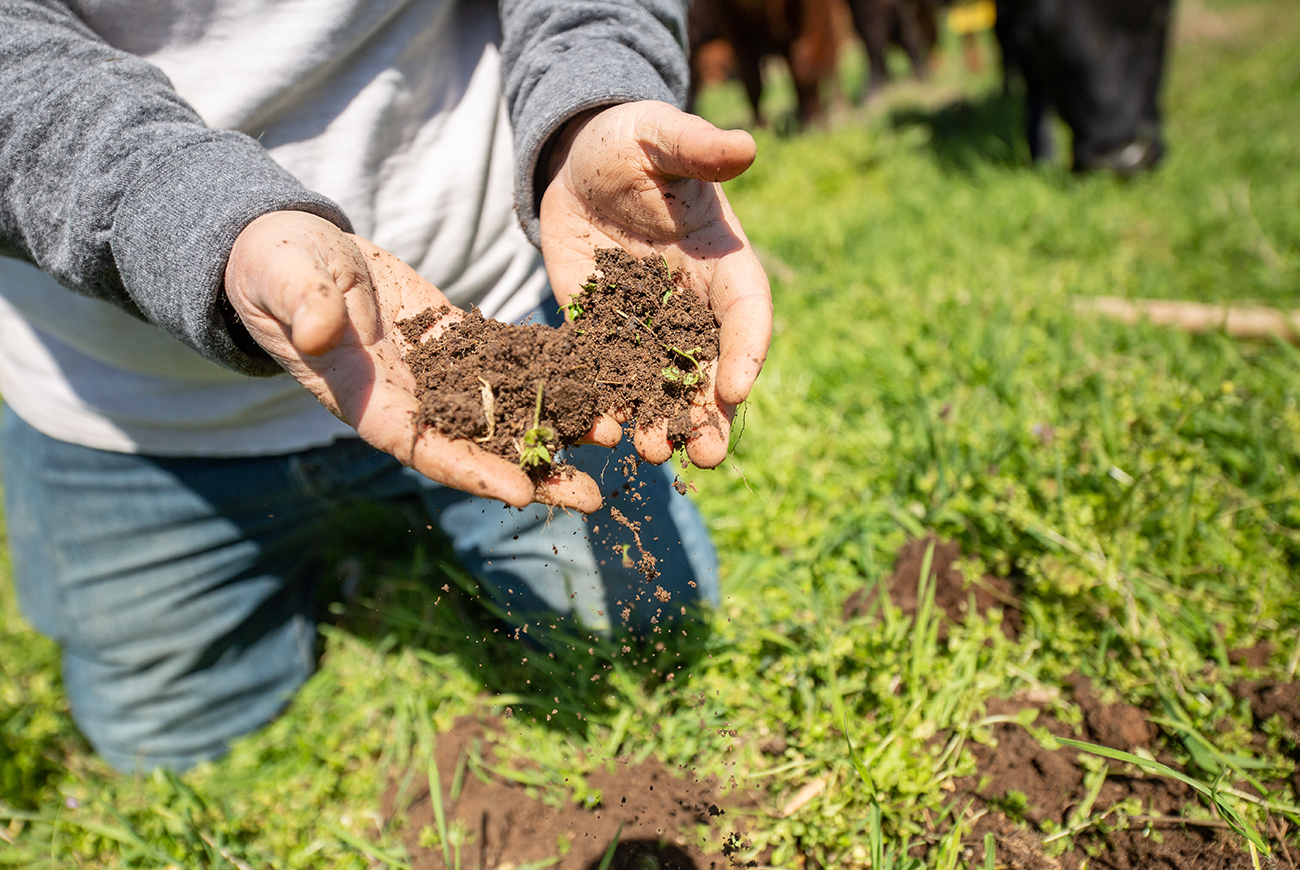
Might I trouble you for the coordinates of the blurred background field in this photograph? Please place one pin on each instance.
(930, 374)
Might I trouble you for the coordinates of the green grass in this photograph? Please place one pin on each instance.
(928, 372)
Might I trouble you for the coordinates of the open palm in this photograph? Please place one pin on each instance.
(646, 177)
(324, 304)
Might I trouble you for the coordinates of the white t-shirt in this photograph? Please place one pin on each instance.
(392, 109)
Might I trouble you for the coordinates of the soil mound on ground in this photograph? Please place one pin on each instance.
(661, 818)
(953, 594)
(1026, 794)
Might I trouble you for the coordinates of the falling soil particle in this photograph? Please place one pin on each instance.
(646, 565)
(636, 346)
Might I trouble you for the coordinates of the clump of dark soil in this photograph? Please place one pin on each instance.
(952, 593)
(1281, 700)
(636, 345)
(1024, 793)
(661, 819)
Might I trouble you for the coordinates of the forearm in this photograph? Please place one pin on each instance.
(113, 185)
(563, 57)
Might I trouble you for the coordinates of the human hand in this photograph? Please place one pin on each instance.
(645, 177)
(324, 304)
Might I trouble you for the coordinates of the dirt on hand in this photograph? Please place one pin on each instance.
(635, 345)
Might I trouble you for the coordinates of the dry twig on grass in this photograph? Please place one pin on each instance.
(1237, 321)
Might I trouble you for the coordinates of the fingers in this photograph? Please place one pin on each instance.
(743, 305)
(606, 431)
(573, 489)
(651, 440)
(320, 316)
(710, 434)
(706, 445)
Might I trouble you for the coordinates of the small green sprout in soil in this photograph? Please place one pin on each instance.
(687, 378)
(572, 309)
(534, 452)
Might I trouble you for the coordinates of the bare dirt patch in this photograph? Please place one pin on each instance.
(953, 593)
(1027, 794)
(662, 819)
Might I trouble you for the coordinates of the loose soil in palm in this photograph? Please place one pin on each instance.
(635, 345)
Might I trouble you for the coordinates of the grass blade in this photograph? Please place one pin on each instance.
(608, 857)
(1230, 814)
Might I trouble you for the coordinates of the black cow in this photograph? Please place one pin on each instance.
(1099, 64)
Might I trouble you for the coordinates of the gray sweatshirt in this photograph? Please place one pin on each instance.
(139, 137)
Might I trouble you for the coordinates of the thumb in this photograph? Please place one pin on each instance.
(278, 265)
(688, 146)
(313, 309)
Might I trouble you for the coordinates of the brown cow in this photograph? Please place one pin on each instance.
(802, 32)
(736, 35)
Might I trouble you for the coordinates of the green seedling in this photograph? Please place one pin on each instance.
(675, 375)
(687, 377)
(534, 451)
(573, 308)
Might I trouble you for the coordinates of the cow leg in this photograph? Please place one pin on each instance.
(917, 33)
(1037, 123)
(749, 68)
(871, 20)
(807, 90)
(807, 73)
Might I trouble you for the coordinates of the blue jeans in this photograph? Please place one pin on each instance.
(181, 590)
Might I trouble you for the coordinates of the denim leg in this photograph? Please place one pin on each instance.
(178, 591)
(181, 590)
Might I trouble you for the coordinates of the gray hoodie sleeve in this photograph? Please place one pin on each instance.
(113, 185)
(565, 56)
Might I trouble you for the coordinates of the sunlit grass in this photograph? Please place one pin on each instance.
(929, 372)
